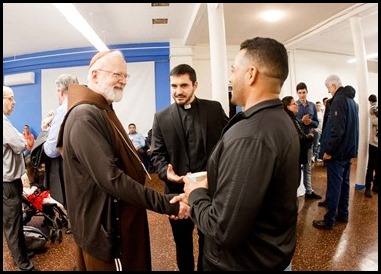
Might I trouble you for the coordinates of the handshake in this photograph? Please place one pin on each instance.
(191, 182)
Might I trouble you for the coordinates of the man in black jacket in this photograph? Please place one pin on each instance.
(247, 207)
(183, 136)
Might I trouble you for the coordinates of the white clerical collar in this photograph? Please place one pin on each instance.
(188, 106)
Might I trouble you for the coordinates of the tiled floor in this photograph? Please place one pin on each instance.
(352, 246)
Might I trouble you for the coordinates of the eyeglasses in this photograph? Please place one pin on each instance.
(9, 98)
(119, 76)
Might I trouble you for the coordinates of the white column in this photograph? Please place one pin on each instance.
(362, 78)
(218, 55)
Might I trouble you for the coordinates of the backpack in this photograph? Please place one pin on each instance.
(37, 154)
(35, 239)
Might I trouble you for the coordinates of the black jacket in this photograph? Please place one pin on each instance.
(249, 213)
(168, 142)
(305, 139)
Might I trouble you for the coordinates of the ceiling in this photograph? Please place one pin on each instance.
(325, 27)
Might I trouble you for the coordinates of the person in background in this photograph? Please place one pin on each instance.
(36, 196)
(109, 220)
(371, 171)
(373, 105)
(291, 109)
(255, 163)
(183, 136)
(29, 139)
(13, 169)
(325, 100)
(139, 143)
(340, 146)
(317, 133)
(54, 179)
(307, 115)
(149, 150)
(327, 103)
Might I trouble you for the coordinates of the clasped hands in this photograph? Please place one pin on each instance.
(189, 186)
(306, 119)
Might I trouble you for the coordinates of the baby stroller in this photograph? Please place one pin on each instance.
(54, 216)
(37, 202)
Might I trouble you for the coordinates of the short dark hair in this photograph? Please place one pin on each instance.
(372, 98)
(269, 54)
(184, 69)
(301, 85)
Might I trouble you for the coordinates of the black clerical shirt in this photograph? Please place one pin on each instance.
(192, 132)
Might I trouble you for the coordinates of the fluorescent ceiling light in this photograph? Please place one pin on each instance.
(75, 18)
(272, 15)
(369, 56)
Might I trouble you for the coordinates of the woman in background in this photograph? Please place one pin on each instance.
(291, 109)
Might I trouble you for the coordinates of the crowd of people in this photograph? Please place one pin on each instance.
(97, 169)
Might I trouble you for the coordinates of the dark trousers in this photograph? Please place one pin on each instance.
(54, 179)
(183, 235)
(13, 224)
(145, 158)
(372, 167)
(337, 197)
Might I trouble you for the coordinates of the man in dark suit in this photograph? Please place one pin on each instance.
(183, 137)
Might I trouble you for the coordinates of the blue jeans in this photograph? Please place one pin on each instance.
(316, 145)
(306, 169)
(337, 196)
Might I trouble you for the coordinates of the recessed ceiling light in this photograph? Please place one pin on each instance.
(156, 21)
(272, 15)
(159, 4)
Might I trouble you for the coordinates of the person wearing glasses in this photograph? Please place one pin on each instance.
(104, 176)
(291, 109)
(13, 168)
(54, 180)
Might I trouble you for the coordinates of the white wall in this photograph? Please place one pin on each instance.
(137, 105)
(305, 66)
(313, 68)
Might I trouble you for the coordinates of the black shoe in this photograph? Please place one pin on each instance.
(375, 188)
(313, 196)
(322, 203)
(321, 224)
(30, 254)
(341, 219)
(368, 193)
